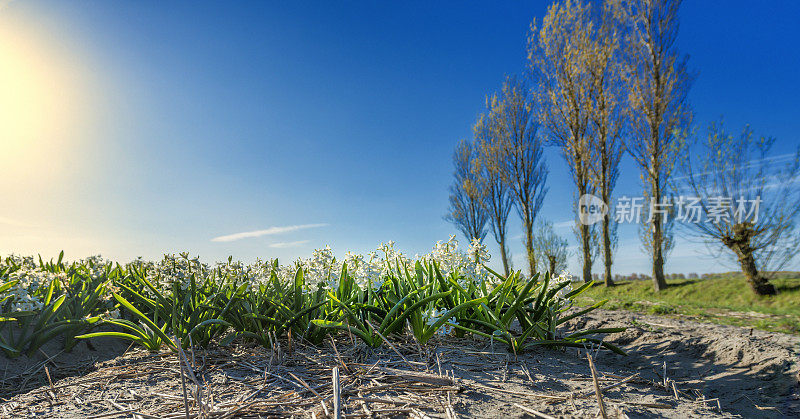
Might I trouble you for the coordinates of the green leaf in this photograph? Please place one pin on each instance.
(144, 319)
(579, 290)
(327, 324)
(399, 305)
(7, 285)
(208, 322)
(520, 299)
(447, 315)
(412, 310)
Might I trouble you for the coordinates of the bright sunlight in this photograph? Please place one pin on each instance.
(37, 102)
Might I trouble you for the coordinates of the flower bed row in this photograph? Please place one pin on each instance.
(181, 301)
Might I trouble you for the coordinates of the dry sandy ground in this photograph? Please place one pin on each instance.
(711, 370)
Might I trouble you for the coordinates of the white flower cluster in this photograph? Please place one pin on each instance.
(176, 269)
(254, 274)
(26, 294)
(556, 281)
(26, 262)
(95, 266)
(435, 315)
(451, 260)
(372, 269)
(234, 269)
(322, 268)
(367, 271)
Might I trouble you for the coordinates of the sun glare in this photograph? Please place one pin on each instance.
(37, 101)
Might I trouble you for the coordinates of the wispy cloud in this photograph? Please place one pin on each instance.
(266, 232)
(4, 3)
(284, 245)
(564, 224)
(773, 160)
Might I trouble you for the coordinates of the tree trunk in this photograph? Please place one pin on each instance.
(740, 244)
(659, 282)
(607, 250)
(605, 162)
(758, 283)
(552, 260)
(529, 248)
(504, 254)
(587, 253)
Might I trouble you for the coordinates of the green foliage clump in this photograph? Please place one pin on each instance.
(180, 301)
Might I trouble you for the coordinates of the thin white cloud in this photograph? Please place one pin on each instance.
(564, 224)
(780, 158)
(284, 245)
(266, 232)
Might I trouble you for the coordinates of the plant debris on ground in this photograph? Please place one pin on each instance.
(675, 369)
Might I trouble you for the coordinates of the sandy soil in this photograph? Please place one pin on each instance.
(711, 370)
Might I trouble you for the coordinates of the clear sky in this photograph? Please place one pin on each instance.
(137, 128)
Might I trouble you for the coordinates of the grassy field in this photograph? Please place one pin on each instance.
(724, 298)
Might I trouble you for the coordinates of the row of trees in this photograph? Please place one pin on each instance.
(605, 78)
(503, 167)
(644, 277)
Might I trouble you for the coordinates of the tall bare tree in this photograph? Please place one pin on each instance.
(606, 115)
(751, 202)
(657, 81)
(467, 207)
(558, 54)
(523, 168)
(551, 248)
(499, 199)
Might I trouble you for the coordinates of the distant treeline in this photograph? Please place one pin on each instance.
(693, 275)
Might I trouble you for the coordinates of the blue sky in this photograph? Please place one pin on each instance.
(314, 122)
